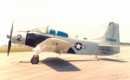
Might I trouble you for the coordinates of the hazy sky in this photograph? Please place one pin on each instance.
(84, 17)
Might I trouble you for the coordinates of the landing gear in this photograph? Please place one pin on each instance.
(35, 59)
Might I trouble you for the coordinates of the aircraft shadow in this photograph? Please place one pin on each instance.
(62, 65)
(114, 60)
(59, 64)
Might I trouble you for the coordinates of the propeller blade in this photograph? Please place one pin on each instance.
(9, 43)
(9, 46)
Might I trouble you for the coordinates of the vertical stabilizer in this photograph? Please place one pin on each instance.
(111, 36)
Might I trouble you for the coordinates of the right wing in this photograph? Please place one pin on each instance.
(53, 45)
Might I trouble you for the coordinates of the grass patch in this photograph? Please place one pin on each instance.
(15, 49)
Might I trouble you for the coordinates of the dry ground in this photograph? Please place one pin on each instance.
(65, 67)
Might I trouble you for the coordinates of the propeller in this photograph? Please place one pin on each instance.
(10, 37)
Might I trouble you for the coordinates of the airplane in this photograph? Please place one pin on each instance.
(50, 40)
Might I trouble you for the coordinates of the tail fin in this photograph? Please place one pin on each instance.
(111, 36)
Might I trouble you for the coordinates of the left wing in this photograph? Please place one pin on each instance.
(53, 45)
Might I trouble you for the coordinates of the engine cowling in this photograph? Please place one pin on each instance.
(19, 38)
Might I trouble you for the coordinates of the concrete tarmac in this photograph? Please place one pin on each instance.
(52, 66)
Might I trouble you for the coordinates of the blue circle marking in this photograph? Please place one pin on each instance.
(78, 46)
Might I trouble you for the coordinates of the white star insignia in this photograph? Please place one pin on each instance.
(78, 46)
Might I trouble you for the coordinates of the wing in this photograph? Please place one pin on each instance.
(53, 45)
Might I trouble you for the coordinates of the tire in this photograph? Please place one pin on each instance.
(35, 60)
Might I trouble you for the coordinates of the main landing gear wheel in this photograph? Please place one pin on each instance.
(35, 59)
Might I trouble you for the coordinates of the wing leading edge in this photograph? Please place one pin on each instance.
(53, 45)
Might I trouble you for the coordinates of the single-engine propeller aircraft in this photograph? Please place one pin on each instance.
(50, 40)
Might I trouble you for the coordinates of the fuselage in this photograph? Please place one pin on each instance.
(83, 46)
(105, 46)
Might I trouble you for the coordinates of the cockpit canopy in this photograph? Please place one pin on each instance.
(58, 33)
(49, 31)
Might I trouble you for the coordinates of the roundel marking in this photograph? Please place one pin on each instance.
(78, 46)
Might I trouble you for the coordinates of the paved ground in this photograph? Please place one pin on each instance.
(65, 67)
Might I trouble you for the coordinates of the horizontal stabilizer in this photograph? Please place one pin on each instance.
(104, 45)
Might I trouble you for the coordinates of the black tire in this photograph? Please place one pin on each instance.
(35, 60)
